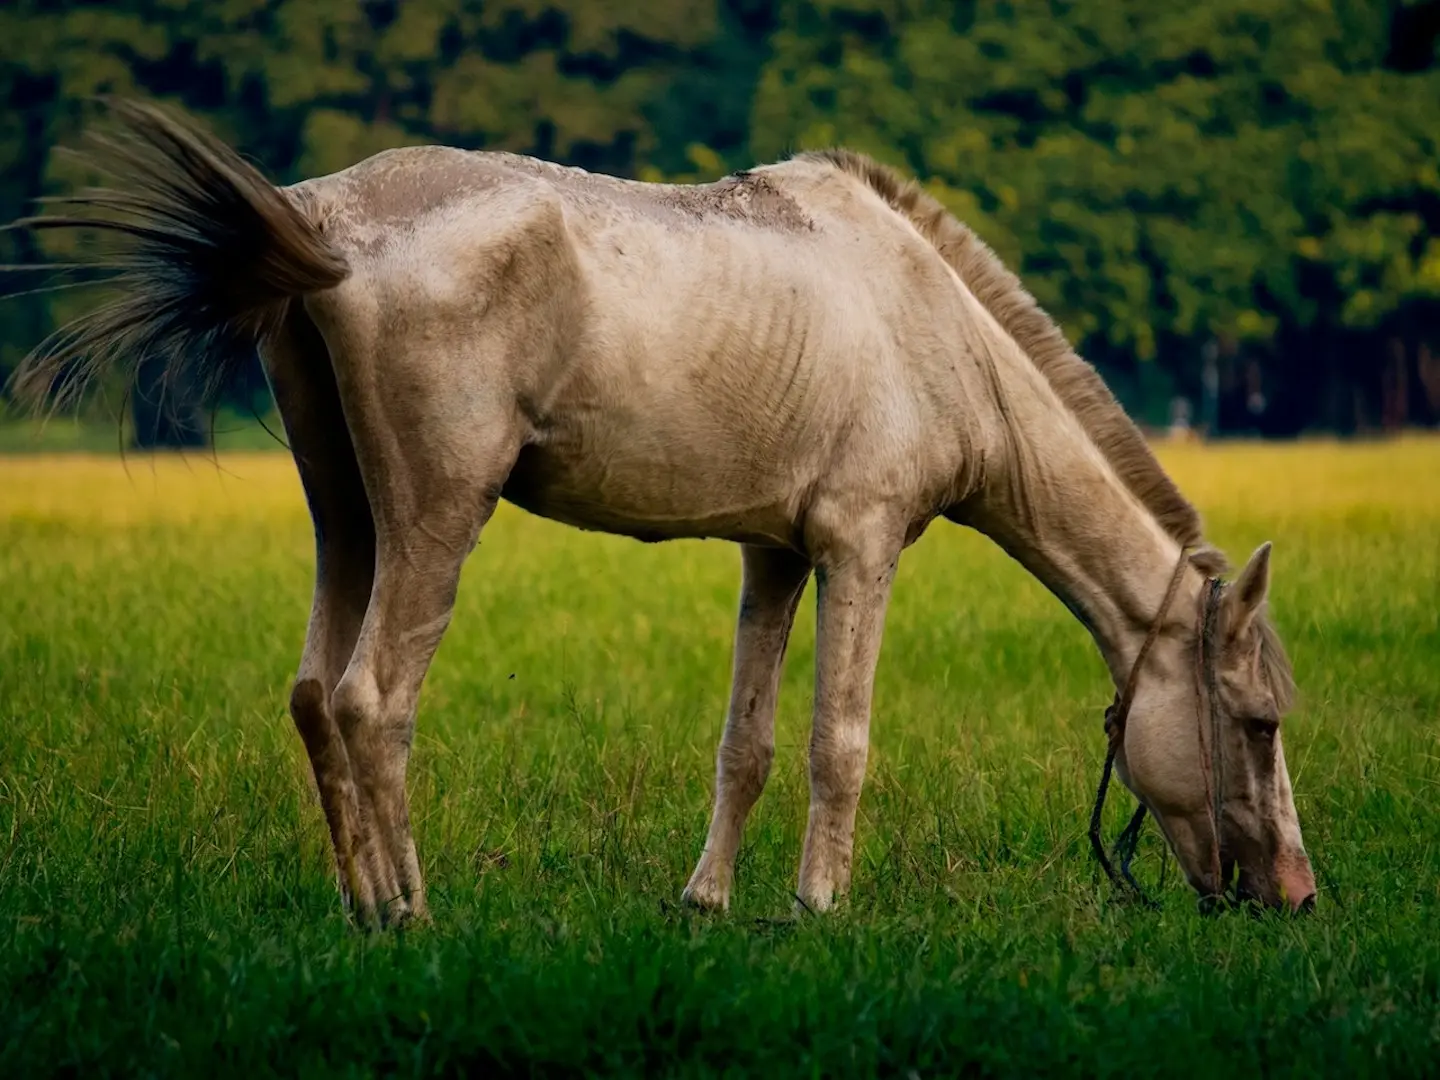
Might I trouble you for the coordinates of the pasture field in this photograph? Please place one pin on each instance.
(166, 895)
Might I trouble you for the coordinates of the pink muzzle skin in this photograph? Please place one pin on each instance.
(1296, 881)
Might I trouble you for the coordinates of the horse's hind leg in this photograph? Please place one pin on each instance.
(434, 460)
(770, 591)
(298, 366)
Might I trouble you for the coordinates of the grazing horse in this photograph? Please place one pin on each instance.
(811, 359)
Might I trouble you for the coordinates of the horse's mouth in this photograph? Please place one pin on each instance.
(1240, 892)
(1226, 893)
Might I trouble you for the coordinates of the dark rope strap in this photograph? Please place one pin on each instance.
(1097, 843)
(1125, 845)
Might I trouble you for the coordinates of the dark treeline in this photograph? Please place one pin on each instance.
(1231, 202)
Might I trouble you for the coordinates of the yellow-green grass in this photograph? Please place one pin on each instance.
(166, 892)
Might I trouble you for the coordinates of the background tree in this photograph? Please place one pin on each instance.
(1164, 175)
(1248, 186)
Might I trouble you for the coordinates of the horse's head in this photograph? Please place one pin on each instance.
(1202, 746)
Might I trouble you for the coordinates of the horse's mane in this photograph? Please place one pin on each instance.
(1074, 381)
(1275, 663)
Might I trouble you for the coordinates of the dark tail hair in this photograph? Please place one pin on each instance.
(204, 254)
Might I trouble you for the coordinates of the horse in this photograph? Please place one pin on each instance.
(811, 359)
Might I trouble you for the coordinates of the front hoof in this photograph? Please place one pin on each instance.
(364, 918)
(396, 912)
(419, 915)
(815, 901)
(707, 895)
(404, 917)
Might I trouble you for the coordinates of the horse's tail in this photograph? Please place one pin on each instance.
(201, 253)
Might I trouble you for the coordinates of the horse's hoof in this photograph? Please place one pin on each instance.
(705, 897)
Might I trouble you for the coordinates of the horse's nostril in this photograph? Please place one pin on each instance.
(1306, 906)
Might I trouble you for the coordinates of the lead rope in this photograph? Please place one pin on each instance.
(1116, 717)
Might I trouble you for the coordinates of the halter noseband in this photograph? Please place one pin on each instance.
(1118, 713)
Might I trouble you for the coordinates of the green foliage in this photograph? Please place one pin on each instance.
(1155, 169)
(1163, 174)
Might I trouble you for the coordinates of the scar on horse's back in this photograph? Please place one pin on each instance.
(398, 187)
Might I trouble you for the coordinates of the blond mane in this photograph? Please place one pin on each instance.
(1074, 381)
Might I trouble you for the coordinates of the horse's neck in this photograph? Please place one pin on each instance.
(1059, 510)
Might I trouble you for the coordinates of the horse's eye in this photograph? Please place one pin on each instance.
(1262, 727)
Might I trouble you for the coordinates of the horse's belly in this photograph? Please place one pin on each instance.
(633, 487)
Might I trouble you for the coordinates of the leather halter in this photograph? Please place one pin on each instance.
(1118, 714)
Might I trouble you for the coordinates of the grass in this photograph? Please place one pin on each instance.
(166, 897)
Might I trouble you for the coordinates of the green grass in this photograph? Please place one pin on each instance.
(166, 896)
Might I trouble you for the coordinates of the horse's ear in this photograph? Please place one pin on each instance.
(1247, 596)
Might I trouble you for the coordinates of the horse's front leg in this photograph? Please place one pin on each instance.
(853, 579)
(773, 582)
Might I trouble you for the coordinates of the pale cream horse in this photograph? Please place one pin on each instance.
(811, 359)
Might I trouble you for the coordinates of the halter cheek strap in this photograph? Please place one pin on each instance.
(1205, 687)
(1118, 714)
